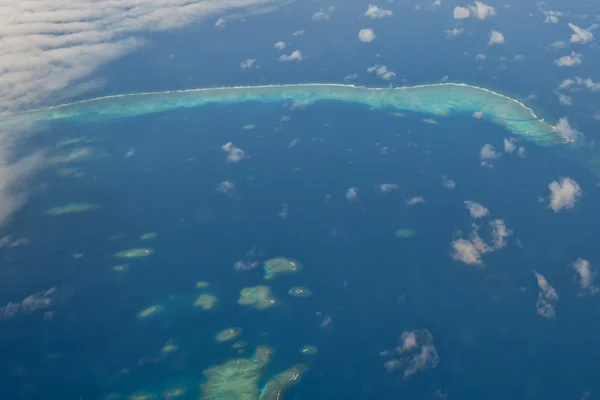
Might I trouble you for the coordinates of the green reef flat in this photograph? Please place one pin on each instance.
(434, 99)
(438, 99)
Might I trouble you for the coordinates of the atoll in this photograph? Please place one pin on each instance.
(259, 297)
(281, 265)
(134, 253)
(148, 236)
(405, 233)
(205, 301)
(238, 379)
(72, 208)
(151, 311)
(300, 291)
(309, 349)
(228, 334)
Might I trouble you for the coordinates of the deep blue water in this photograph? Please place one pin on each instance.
(373, 285)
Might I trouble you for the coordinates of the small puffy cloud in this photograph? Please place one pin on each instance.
(499, 233)
(387, 187)
(454, 32)
(564, 128)
(461, 12)
(352, 194)
(299, 32)
(376, 12)
(280, 45)
(476, 210)
(509, 145)
(415, 352)
(480, 11)
(366, 35)
(470, 251)
(522, 152)
(234, 154)
(564, 194)
(488, 152)
(547, 297)
(577, 83)
(246, 64)
(582, 35)
(351, 77)
(480, 57)
(552, 16)
(382, 71)
(569, 61)
(478, 114)
(565, 100)
(448, 183)
(585, 275)
(496, 38)
(464, 250)
(559, 44)
(295, 55)
(225, 187)
(323, 15)
(220, 23)
(415, 200)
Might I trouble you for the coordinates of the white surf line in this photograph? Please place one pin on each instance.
(291, 85)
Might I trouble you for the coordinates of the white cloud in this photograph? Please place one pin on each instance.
(280, 45)
(376, 12)
(569, 61)
(415, 200)
(299, 32)
(480, 57)
(476, 210)
(382, 71)
(522, 152)
(366, 35)
(564, 194)
(509, 145)
(565, 100)
(415, 352)
(454, 32)
(478, 114)
(496, 38)
(352, 193)
(225, 187)
(564, 128)
(295, 55)
(582, 35)
(470, 251)
(30, 304)
(323, 15)
(220, 23)
(50, 49)
(488, 152)
(585, 275)
(465, 251)
(246, 64)
(499, 233)
(586, 83)
(234, 154)
(351, 77)
(559, 44)
(448, 183)
(461, 12)
(480, 11)
(552, 17)
(387, 187)
(547, 297)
